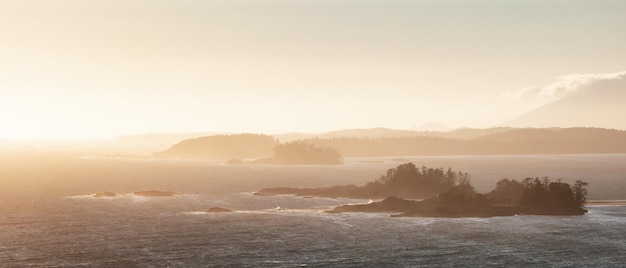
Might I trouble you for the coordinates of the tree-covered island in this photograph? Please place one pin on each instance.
(404, 181)
(446, 193)
(301, 153)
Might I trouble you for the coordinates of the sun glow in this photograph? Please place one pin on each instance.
(93, 70)
(22, 121)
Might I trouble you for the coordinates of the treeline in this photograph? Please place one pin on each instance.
(540, 196)
(408, 181)
(517, 141)
(405, 181)
(300, 153)
(398, 146)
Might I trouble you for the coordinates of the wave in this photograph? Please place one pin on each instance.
(276, 210)
(129, 196)
(92, 196)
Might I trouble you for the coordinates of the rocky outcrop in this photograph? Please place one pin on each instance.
(154, 193)
(556, 211)
(218, 210)
(429, 208)
(450, 194)
(461, 201)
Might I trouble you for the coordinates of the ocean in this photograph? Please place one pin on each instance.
(48, 217)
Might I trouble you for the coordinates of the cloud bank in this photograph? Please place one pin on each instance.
(569, 84)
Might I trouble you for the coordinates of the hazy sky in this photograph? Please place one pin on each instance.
(92, 69)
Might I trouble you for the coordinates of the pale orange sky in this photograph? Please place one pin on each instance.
(95, 69)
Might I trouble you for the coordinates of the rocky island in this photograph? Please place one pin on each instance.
(301, 153)
(457, 197)
(463, 201)
(218, 210)
(404, 181)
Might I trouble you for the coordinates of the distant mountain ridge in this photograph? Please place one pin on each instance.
(380, 132)
(514, 141)
(383, 143)
(558, 135)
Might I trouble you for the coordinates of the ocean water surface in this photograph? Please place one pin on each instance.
(49, 218)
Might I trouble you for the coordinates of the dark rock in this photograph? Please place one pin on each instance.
(218, 210)
(570, 211)
(461, 201)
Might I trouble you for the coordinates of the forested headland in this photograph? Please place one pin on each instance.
(222, 147)
(261, 149)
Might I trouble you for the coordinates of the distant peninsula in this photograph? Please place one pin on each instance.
(452, 195)
(239, 146)
(264, 149)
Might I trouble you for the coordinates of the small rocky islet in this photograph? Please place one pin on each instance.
(218, 210)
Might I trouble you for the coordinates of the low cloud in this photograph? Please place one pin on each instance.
(568, 84)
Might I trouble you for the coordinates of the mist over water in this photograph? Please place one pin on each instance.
(49, 218)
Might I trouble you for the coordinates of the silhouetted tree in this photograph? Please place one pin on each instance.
(298, 152)
(546, 196)
(406, 180)
(580, 192)
(506, 192)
